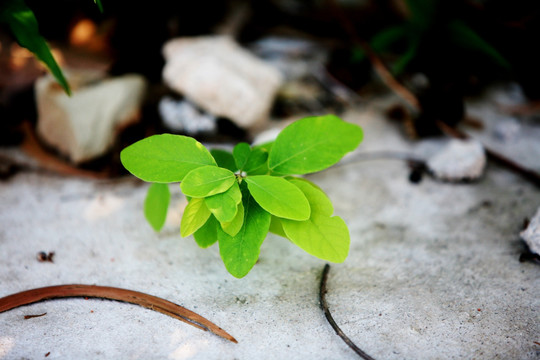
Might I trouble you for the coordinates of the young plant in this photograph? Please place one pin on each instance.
(236, 198)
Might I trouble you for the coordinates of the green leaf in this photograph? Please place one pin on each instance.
(206, 236)
(404, 59)
(318, 201)
(195, 216)
(206, 181)
(422, 13)
(24, 26)
(463, 35)
(99, 5)
(156, 205)
(165, 158)
(313, 144)
(249, 159)
(240, 252)
(384, 39)
(224, 206)
(279, 197)
(233, 227)
(322, 236)
(276, 227)
(224, 159)
(241, 154)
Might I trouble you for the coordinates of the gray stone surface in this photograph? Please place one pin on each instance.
(433, 271)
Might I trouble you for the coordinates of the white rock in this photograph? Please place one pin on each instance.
(222, 78)
(181, 115)
(531, 234)
(459, 160)
(84, 126)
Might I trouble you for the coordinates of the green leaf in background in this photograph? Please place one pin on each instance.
(224, 159)
(24, 26)
(156, 205)
(233, 227)
(224, 206)
(195, 215)
(240, 252)
(206, 181)
(384, 39)
(321, 235)
(313, 144)
(422, 14)
(165, 158)
(279, 197)
(463, 35)
(206, 236)
(99, 5)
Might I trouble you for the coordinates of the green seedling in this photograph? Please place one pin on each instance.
(236, 198)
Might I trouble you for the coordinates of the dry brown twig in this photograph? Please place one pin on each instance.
(337, 329)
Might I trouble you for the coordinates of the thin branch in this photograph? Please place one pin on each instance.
(378, 65)
(324, 307)
(111, 293)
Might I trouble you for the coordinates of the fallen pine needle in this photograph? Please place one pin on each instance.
(111, 293)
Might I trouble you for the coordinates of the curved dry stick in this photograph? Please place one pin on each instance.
(339, 332)
(111, 293)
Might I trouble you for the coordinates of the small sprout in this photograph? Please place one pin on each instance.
(236, 198)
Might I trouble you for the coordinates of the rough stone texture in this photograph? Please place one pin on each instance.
(84, 126)
(433, 271)
(221, 77)
(459, 160)
(531, 235)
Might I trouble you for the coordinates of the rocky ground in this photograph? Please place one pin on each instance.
(433, 271)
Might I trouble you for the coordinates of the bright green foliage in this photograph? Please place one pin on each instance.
(165, 158)
(247, 159)
(233, 227)
(224, 206)
(279, 197)
(224, 159)
(207, 181)
(156, 205)
(24, 26)
(240, 252)
(237, 198)
(322, 235)
(195, 216)
(313, 144)
(206, 236)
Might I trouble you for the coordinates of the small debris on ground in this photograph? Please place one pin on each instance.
(531, 235)
(26, 317)
(460, 160)
(42, 256)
